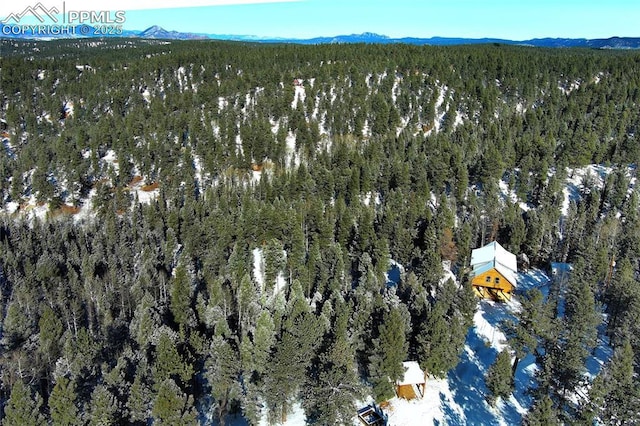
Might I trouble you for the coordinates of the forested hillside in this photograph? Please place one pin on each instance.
(194, 229)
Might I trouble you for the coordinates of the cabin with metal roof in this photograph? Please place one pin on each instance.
(413, 382)
(493, 272)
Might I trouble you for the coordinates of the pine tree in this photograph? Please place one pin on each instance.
(282, 379)
(263, 339)
(247, 304)
(333, 387)
(252, 403)
(181, 297)
(222, 371)
(168, 361)
(434, 340)
(542, 413)
(441, 337)
(80, 352)
(623, 305)
(172, 407)
(62, 404)
(139, 401)
(292, 355)
(16, 325)
(104, 407)
(533, 324)
(21, 409)
(213, 312)
(615, 394)
(51, 330)
(145, 320)
(579, 335)
(499, 380)
(391, 350)
(274, 262)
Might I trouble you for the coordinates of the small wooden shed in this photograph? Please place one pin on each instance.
(413, 383)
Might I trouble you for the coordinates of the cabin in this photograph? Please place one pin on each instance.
(413, 383)
(493, 272)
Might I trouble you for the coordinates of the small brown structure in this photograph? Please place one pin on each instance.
(413, 383)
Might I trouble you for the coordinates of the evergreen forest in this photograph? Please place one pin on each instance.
(191, 230)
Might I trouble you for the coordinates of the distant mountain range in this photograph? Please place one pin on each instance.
(160, 33)
(156, 32)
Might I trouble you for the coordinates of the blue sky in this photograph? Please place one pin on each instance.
(452, 18)
(510, 19)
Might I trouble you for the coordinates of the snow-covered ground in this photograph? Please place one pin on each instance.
(510, 194)
(86, 210)
(8, 147)
(461, 398)
(258, 267)
(484, 341)
(294, 418)
(110, 158)
(576, 179)
(292, 158)
(258, 274)
(299, 94)
(32, 209)
(432, 409)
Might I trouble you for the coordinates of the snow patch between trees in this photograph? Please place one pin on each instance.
(488, 331)
(580, 180)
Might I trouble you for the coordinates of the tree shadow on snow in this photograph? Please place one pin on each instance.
(466, 381)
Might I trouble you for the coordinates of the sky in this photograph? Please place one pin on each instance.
(508, 19)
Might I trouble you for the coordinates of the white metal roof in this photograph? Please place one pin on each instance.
(493, 255)
(413, 374)
(494, 251)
